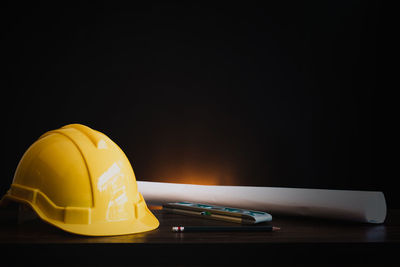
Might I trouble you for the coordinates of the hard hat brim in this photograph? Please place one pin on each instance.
(147, 222)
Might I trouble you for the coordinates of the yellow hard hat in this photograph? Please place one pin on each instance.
(77, 179)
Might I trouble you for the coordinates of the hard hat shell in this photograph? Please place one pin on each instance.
(79, 180)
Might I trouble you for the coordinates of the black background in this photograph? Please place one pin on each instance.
(272, 94)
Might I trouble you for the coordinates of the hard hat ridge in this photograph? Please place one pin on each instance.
(79, 180)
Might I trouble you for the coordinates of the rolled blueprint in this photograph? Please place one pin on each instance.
(359, 206)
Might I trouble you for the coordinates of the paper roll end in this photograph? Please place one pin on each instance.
(376, 212)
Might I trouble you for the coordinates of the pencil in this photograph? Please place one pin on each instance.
(267, 228)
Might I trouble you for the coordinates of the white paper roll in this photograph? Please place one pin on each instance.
(360, 206)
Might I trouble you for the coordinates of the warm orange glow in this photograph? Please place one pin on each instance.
(191, 167)
(154, 207)
(192, 180)
(200, 177)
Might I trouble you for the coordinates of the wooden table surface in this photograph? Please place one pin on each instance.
(300, 241)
